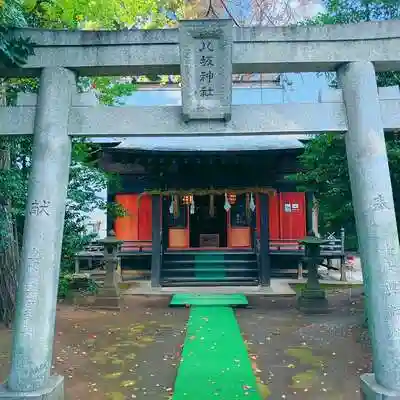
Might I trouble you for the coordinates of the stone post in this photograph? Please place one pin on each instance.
(33, 328)
(376, 226)
(108, 296)
(312, 299)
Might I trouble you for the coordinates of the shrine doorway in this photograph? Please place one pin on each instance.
(208, 222)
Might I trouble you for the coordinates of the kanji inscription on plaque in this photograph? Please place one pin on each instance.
(206, 69)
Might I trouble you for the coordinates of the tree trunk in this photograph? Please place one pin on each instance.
(9, 249)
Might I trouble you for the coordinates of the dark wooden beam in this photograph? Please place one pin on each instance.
(164, 222)
(265, 259)
(156, 241)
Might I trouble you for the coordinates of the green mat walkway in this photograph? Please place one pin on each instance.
(215, 363)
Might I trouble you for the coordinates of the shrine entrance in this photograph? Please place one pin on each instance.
(208, 223)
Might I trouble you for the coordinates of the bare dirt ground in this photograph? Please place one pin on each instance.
(105, 355)
(307, 357)
(134, 354)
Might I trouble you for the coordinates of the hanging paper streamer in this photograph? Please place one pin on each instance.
(227, 205)
(192, 206)
(212, 206)
(252, 203)
(172, 206)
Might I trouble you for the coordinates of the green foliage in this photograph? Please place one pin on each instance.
(323, 163)
(111, 90)
(14, 51)
(64, 284)
(324, 172)
(101, 14)
(12, 14)
(78, 282)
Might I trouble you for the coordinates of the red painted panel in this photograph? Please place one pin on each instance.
(126, 228)
(292, 215)
(273, 216)
(181, 233)
(274, 231)
(145, 219)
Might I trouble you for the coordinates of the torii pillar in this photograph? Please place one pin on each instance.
(376, 226)
(33, 328)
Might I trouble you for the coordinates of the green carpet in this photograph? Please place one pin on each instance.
(205, 262)
(183, 299)
(215, 363)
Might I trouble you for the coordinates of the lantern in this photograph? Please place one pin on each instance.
(232, 198)
(187, 199)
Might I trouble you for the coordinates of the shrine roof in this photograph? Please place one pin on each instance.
(206, 143)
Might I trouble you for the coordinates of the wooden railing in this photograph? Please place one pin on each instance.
(334, 246)
(136, 246)
(127, 246)
(94, 252)
(332, 249)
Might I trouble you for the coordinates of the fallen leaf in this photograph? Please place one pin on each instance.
(114, 375)
(128, 383)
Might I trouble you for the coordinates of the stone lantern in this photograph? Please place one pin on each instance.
(312, 299)
(108, 296)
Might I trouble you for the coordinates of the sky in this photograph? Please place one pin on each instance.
(305, 89)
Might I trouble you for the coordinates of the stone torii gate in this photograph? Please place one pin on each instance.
(205, 53)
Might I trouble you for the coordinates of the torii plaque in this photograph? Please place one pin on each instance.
(206, 69)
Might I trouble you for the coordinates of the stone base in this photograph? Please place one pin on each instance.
(108, 292)
(54, 390)
(107, 299)
(371, 390)
(313, 301)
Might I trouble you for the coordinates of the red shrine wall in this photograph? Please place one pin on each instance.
(287, 221)
(136, 225)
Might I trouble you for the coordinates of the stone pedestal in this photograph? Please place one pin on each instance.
(52, 390)
(108, 297)
(372, 390)
(313, 301)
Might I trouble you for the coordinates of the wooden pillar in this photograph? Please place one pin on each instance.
(165, 201)
(265, 260)
(253, 227)
(156, 241)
